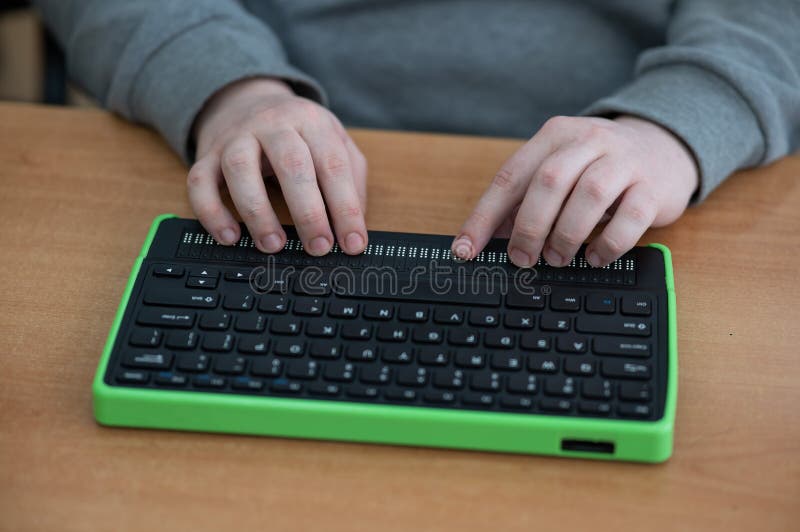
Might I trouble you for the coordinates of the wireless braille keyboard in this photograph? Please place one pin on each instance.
(402, 344)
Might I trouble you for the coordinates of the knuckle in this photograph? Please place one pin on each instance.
(295, 163)
(254, 208)
(479, 218)
(564, 237)
(558, 122)
(504, 180)
(311, 217)
(236, 160)
(209, 212)
(349, 210)
(596, 189)
(527, 231)
(335, 165)
(549, 176)
(614, 247)
(639, 213)
(195, 177)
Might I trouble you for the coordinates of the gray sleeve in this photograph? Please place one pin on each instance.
(158, 62)
(727, 82)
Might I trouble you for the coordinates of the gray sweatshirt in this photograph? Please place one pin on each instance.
(723, 75)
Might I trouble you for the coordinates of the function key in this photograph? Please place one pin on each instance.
(193, 362)
(166, 378)
(378, 311)
(448, 315)
(637, 305)
(555, 405)
(413, 313)
(405, 396)
(633, 410)
(594, 408)
(483, 318)
(212, 273)
(207, 381)
(600, 303)
(133, 377)
(565, 301)
(516, 299)
(520, 319)
(247, 384)
(150, 360)
(439, 397)
(321, 388)
(237, 275)
(627, 370)
(166, 318)
(167, 270)
(342, 309)
(477, 399)
(516, 402)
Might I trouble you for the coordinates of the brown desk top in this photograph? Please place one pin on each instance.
(78, 190)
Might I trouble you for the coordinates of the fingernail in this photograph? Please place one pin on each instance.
(594, 259)
(462, 248)
(520, 258)
(228, 236)
(552, 257)
(354, 242)
(319, 246)
(272, 243)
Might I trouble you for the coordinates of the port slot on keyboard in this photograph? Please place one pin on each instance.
(588, 446)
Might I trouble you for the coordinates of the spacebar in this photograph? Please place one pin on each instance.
(425, 293)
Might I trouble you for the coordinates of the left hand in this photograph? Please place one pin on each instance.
(570, 176)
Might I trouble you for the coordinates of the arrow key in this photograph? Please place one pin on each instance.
(201, 282)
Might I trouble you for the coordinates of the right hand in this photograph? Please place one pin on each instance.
(259, 127)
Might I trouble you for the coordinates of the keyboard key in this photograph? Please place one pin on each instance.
(634, 391)
(182, 340)
(273, 304)
(201, 271)
(491, 382)
(448, 315)
(356, 331)
(302, 369)
(220, 342)
(267, 367)
(534, 342)
(145, 337)
(555, 405)
(554, 322)
(427, 335)
(516, 402)
(166, 378)
(633, 410)
(323, 389)
(182, 298)
(201, 282)
(321, 329)
(560, 386)
(506, 361)
(289, 348)
(254, 345)
(397, 354)
(477, 399)
(522, 383)
(133, 377)
(595, 389)
(378, 311)
(625, 370)
(431, 356)
(565, 301)
(307, 306)
(570, 343)
(241, 276)
(413, 313)
(255, 323)
(600, 303)
(594, 408)
(193, 362)
(519, 319)
(516, 299)
(612, 325)
(285, 325)
(325, 349)
(543, 363)
(412, 376)
(365, 392)
(484, 318)
(376, 374)
(498, 339)
(281, 385)
(147, 360)
(637, 305)
(166, 318)
(207, 381)
(310, 283)
(247, 384)
(470, 360)
(238, 302)
(230, 365)
(577, 366)
(439, 397)
(451, 379)
(339, 372)
(392, 333)
(461, 336)
(405, 396)
(343, 309)
(362, 354)
(620, 346)
(215, 321)
(167, 270)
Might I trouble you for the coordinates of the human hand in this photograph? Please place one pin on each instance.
(574, 173)
(258, 127)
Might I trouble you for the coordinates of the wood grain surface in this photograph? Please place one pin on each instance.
(78, 190)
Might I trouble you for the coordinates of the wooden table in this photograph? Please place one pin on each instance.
(78, 190)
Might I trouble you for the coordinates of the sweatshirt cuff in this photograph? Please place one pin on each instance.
(700, 108)
(174, 81)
